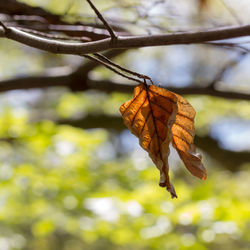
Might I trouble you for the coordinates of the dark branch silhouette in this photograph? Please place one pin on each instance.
(44, 81)
(231, 160)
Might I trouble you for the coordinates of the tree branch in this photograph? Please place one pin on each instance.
(13, 7)
(125, 42)
(108, 86)
(76, 80)
(22, 15)
(61, 77)
(81, 84)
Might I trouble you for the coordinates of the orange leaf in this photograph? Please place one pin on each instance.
(153, 115)
(183, 138)
(144, 117)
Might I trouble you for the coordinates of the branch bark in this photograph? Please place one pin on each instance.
(125, 42)
(108, 86)
(78, 82)
(22, 15)
(46, 79)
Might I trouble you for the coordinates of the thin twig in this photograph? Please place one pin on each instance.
(228, 66)
(68, 8)
(111, 68)
(232, 12)
(6, 29)
(104, 58)
(228, 45)
(100, 16)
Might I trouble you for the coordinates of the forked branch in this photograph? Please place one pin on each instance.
(106, 24)
(125, 42)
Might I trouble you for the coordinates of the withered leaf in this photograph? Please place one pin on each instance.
(144, 116)
(183, 131)
(157, 117)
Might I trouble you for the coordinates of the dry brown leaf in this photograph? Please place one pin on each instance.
(183, 131)
(154, 115)
(144, 117)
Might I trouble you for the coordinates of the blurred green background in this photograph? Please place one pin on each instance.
(69, 188)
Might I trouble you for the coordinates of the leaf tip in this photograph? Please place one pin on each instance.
(171, 190)
(204, 177)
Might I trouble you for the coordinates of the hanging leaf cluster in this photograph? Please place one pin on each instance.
(159, 117)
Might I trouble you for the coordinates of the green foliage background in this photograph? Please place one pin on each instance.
(62, 189)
